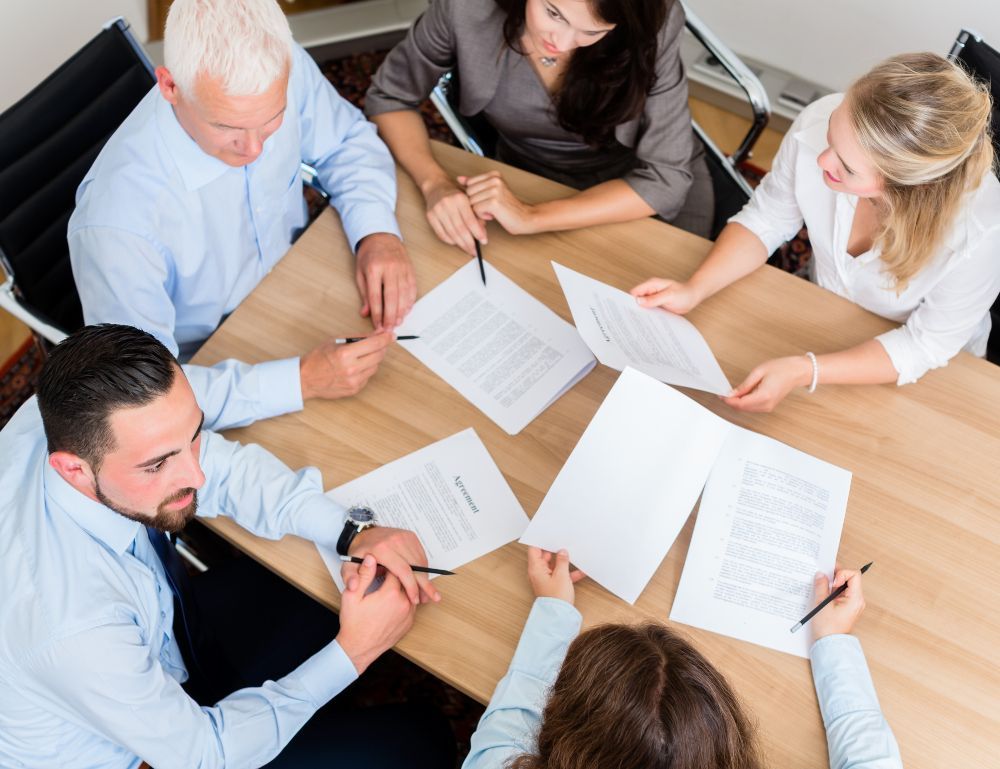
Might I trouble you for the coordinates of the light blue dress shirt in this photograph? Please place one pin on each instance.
(857, 734)
(169, 239)
(90, 671)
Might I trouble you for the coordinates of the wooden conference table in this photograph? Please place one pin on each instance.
(923, 503)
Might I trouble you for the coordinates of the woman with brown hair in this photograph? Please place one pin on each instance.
(641, 697)
(590, 93)
(902, 218)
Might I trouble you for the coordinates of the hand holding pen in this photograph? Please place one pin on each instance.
(840, 614)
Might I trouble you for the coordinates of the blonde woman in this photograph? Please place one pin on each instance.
(903, 214)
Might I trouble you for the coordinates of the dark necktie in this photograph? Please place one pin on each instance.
(180, 584)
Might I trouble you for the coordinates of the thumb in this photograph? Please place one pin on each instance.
(748, 384)
(366, 573)
(562, 562)
(821, 587)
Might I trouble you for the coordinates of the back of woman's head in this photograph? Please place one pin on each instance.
(640, 697)
(925, 125)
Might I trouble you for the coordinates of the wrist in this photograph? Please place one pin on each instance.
(433, 181)
(808, 371)
(356, 652)
(305, 377)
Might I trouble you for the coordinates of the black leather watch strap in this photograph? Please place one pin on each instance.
(347, 537)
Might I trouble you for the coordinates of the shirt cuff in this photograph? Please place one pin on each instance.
(327, 673)
(363, 219)
(280, 386)
(840, 673)
(551, 627)
(898, 347)
(321, 521)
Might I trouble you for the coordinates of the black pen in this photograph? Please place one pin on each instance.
(833, 596)
(353, 339)
(479, 256)
(421, 569)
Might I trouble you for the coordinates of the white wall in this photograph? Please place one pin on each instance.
(36, 36)
(831, 42)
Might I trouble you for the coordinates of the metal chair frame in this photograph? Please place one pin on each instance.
(748, 82)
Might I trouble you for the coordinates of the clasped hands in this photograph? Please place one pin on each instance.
(374, 620)
(457, 209)
(766, 385)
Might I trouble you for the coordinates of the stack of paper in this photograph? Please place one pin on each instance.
(450, 494)
(770, 517)
(501, 348)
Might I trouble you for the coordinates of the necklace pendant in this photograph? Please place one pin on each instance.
(548, 61)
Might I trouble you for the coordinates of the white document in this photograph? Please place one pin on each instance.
(628, 487)
(621, 333)
(768, 513)
(450, 494)
(770, 518)
(501, 348)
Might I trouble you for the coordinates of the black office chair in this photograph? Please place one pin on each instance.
(732, 192)
(983, 62)
(48, 141)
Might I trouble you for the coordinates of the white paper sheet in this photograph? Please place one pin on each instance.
(624, 493)
(621, 333)
(450, 494)
(770, 518)
(501, 348)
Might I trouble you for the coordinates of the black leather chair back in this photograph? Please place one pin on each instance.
(983, 62)
(48, 141)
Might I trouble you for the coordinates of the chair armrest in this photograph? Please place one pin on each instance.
(744, 77)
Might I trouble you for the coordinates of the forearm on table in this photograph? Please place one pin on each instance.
(737, 252)
(866, 363)
(606, 203)
(406, 136)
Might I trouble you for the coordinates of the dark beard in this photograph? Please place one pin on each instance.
(167, 521)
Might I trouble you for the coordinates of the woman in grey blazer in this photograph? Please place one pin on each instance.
(590, 93)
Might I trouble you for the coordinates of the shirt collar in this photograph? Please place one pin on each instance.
(102, 523)
(196, 167)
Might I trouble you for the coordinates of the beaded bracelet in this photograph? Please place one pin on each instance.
(815, 379)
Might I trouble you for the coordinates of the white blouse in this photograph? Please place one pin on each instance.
(945, 307)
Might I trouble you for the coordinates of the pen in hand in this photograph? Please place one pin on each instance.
(353, 339)
(479, 256)
(421, 569)
(832, 597)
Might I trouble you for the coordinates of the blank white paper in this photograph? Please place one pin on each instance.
(502, 349)
(770, 518)
(623, 495)
(450, 494)
(621, 333)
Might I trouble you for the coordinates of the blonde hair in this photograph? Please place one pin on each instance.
(245, 44)
(924, 123)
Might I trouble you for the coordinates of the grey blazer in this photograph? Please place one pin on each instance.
(467, 35)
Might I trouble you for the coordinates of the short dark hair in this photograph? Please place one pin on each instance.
(90, 374)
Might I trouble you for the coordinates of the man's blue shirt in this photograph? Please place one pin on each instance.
(171, 240)
(90, 670)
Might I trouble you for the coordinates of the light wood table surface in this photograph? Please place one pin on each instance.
(923, 502)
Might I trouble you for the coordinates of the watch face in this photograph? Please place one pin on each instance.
(361, 514)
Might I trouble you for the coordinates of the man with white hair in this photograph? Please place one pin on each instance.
(198, 195)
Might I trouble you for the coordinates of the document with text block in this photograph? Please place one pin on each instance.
(770, 516)
(656, 342)
(450, 494)
(502, 349)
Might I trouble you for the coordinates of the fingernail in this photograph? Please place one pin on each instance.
(369, 561)
(564, 551)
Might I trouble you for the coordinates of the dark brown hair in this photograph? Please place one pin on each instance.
(640, 697)
(605, 83)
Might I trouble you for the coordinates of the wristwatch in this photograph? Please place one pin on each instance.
(359, 518)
